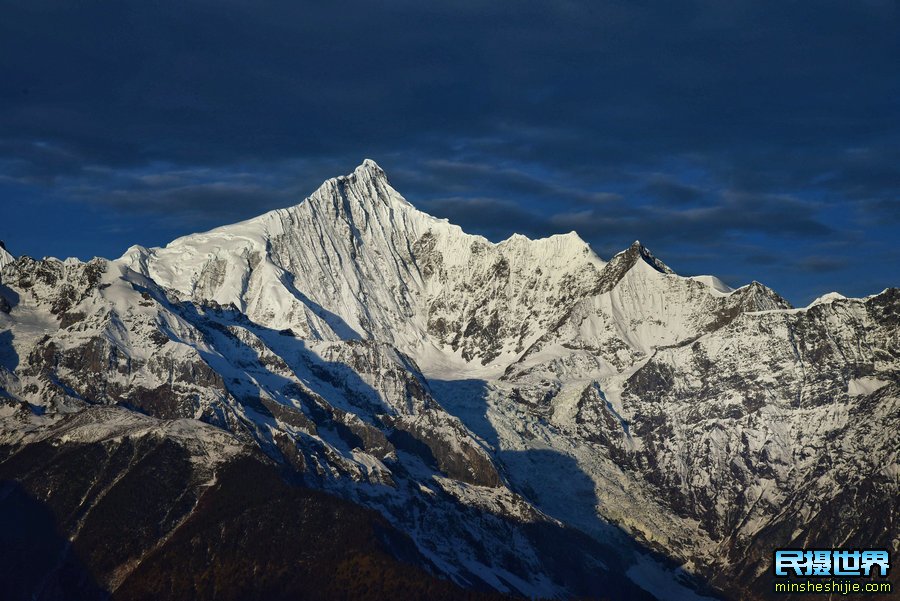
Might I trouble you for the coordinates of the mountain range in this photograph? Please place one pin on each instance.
(349, 398)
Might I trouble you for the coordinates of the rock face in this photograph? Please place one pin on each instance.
(495, 403)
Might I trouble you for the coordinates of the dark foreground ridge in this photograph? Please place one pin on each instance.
(251, 535)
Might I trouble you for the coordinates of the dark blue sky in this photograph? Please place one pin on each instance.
(748, 139)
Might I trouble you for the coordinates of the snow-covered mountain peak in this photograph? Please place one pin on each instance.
(358, 196)
(369, 168)
(367, 171)
(558, 249)
(635, 256)
(759, 297)
(639, 251)
(827, 298)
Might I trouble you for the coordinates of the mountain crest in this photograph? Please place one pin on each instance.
(369, 169)
(367, 173)
(355, 260)
(624, 262)
(355, 195)
(639, 251)
(759, 297)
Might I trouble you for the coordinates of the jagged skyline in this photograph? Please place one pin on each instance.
(752, 140)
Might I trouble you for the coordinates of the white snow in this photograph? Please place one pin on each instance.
(714, 283)
(864, 386)
(827, 298)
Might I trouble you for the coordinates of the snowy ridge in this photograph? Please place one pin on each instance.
(356, 260)
(212, 444)
(827, 298)
(714, 283)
